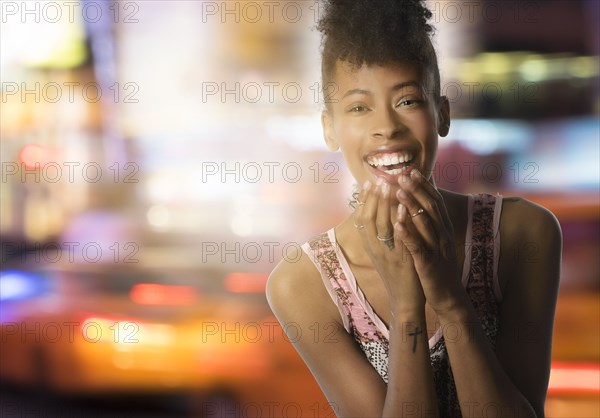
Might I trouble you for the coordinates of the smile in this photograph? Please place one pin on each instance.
(391, 163)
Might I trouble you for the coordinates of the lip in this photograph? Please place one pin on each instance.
(390, 150)
(392, 178)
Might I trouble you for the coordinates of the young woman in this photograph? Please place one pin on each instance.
(443, 303)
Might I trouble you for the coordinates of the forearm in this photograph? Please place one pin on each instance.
(482, 385)
(411, 389)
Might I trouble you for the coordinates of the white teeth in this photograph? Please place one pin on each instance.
(395, 171)
(390, 159)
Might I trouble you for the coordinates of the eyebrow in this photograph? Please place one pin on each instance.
(396, 87)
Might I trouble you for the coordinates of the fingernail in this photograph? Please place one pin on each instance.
(400, 209)
(415, 173)
(385, 189)
(379, 181)
(367, 185)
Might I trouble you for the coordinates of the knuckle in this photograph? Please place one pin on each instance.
(368, 212)
(358, 219)
(381, 225)
(400, 230)
(401, 194)
(430, 205)
(411, 186)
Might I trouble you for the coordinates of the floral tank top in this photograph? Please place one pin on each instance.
(479, 278)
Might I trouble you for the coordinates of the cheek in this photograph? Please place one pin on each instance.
(349, 134)
(351, 140)
(424, 128)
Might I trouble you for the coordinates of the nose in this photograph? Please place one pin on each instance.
(387, 124)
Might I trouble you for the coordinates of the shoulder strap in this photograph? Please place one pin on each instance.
(321, 252)
(482, 287)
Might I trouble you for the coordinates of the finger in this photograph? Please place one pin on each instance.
(445, 228)
(406, 233)
(383, 226)
(424, 221)
(401, 233)
(361, 197)
(365, 210)
(434, 194)
(369, 215)
(423, 193)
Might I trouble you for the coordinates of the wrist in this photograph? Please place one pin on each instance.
(454, 300)
(409, 322)
(406, 301)
(453, 310)
(402, 314)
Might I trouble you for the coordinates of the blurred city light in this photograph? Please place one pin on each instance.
(169, 138)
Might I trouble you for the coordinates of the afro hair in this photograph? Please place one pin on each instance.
(377, 32)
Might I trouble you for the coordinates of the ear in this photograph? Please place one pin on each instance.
(443, 116)
(328, 131)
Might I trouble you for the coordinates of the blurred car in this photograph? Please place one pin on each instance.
(86, 328)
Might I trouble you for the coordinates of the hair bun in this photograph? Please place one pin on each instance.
(377, 32)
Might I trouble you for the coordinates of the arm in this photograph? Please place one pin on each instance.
(410, 391)
(297, 295)
(513, 380)
(353, 387)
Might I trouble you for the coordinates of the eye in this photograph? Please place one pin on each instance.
(409, 102)
(358, 109)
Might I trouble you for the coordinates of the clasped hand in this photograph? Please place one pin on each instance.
(412, 248)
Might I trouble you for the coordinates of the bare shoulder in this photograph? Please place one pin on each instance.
(297, 294)
(531, 248)
(530, 259)
(525, 221)
(295, 288)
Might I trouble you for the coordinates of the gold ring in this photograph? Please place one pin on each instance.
(420, 211)
(358, 226)
(385, 239)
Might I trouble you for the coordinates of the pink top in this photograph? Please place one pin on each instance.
(479, 278)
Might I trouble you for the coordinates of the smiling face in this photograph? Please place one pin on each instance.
(384, 121)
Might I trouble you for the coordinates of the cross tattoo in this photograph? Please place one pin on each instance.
(415, 334)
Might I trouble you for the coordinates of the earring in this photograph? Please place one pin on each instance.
(353, 203)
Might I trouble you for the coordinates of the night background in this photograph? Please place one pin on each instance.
(160, 157)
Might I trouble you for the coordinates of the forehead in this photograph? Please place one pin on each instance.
(348, 76)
